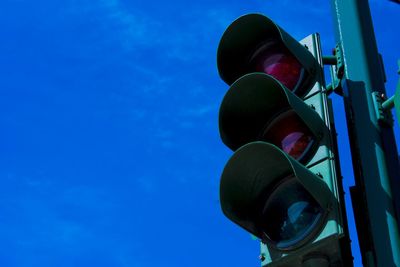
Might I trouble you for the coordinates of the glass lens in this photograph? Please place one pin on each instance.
(278, 62)
(288, 132)
(290, 214)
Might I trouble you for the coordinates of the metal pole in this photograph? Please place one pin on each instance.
(375, 161)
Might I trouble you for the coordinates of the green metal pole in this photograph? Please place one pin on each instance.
(375, 159)
(397, 96)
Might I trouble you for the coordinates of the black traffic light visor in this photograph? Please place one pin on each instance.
(255, 100)
(245, 35)
(252, 172)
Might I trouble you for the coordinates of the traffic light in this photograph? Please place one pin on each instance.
(282, 183)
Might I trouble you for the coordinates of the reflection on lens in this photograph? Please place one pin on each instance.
(288, 132)
(278, 62)
(290, 214)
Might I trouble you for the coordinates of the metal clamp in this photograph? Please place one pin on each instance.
(383, 115)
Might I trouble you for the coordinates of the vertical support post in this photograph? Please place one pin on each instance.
(397, 96)
(375, 159)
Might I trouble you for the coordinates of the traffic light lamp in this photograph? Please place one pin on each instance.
(259, 107)
(281, 184)
(254, 43)
(273, 196)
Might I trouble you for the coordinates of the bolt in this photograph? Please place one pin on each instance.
(261, 257)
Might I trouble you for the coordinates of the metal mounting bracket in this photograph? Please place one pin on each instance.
(383, 116)
(337, 71)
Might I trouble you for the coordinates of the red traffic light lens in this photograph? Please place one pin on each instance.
(288, 132)
(278, 62)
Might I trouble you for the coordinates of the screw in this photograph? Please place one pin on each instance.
(261, 257)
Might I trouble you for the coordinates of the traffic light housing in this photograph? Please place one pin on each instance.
(260, 185)
(282, 183)
(248, 107)
(253, 37)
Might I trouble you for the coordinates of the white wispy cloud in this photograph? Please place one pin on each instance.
(176, 42)
(135, 29)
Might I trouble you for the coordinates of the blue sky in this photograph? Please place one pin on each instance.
(110, 152)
